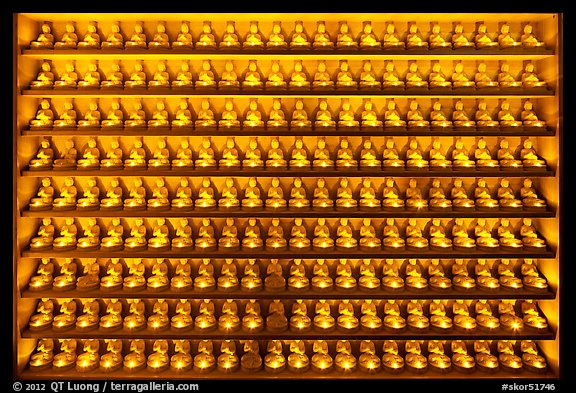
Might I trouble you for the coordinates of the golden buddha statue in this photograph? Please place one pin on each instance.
(460, 118)
(484, 239)
(460, 157)
(507, 358)
(67, 198)
(44, 315)
(181, 361)
(321, 360)
(506, 197)
(45, 39)
(483, 156)
(275, 79)
(322, 239)
(205, 278)
(205, 198)
(344, 196)
(135, 280)
(66, 280)
(391, 361)
(344, 78)
(390, 196)
(275, 158)
(391, 78)
(321, 279)
(183, 158)
(206, 79)
(113, 278)
(484, 359)
(252, 239)
(161, 78)
(368, 158)
(506, 157)
(507, 314)
(297, 280)
(182, 280)
(44, 197)
(91, 79)
(391, 38)
(344, 234)
(274, 280)
(161, 156)
(252, 197)
(482, 79)
(482, 196)
(321, 196)
(346, 116)
(159, 116)
(437, 278)
(229, 238)
(67, 356)
(530, 237)
(229, 320)
(529, 197)
(484, 276)
(251, 280)
(530, 79)
(299, 156)
(68, 79)
(530, 118)
(67, 118)
(298, 362)
(137, 118)
(138, 39)
(252, 320)
(299, 38)
(506, 274)
(369, 117)
(460, 237)
(137, 195)
(322, 79)
(252, 78)
(393, 321)
(229, 78)
(437, 359)
(69, 39)
(505, 79)
(204, 361)
(345, 156)
(229, 197)
(484, 316)
(531, 277)
(414, 198)
(184, 38)
(459, 196)
(114, 118)
(346, 321)
(184, 76)
(206, 39)
(274, 360)
(298, 78)
(136, 319)
(276, 321)
(416, 320)
(230, 156)
(277, 118)
(160, 39)
(91, 117)
(112, 360)
(370, 321)
(505, 39)
(44, 157)
(344, 279)
(90, 358)
(414, 39)
(113, 239)
(229, 118)
(461, 316)
(415, 117)
(230, 38)
(368, 39)
(159, 200)
(436, 79)
(205, 158)
(414, 276)
(298, 236)
(183, 237)
(459, 79)
(137, 239)
(368, 199)
(482, 39)
(275, 194)
(414, 77)
(276, 38)
(368, 280)
(391, 236)
(44, 79)
(436, 40)
(392, 117)
(322, 158)
(438, 160)
(322, 39)
(324, 116)
(323, 321)
(438, 239)
(531, 359)
(275, 240)
(253, 119)
(137, 77)
(91, 238)
(182, 319)
(114, 40)
(528, 39)
(344, 39)
(159, 239)
(114, 79)
(44, 276)
(530, 158)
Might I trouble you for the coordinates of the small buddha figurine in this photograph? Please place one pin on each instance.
(298, 78)
(323, 321)
(113, 278)
(391, 78)
(67, 356)
(113, 316)
(91, 278)
(91, 117)
(368, 39)
(229, 320)
(346, 116)
(114, 117)
(90, 156)
(506, 274)
(161, 78)
(253, 119)
(390, 196)
(530, 199)
(322, 80)
(159, 200)
(274, 360)
(274, 280)
(436, 356)
(114, 232)
(507, 357)
(160, 38)
(505, 79)
(507, 314)
(416, 319)
(206, 39)
(299, 38)
(114, 79)
(276, 321)
(184, 76)
(345, 156)
(414, 237)
(275, 78)
(275, 194)
(322, 39)
(182, 279)
(505, 39)
(44, 276)
(66, 280)
(229, 238)
(483, 156)
(530, 237)
(530, 79)
(183, 158)
(461, 316)
(460, 237)
(181, 361)
(484, 275)
(322, 239)
(44, 79)
(298, 198)
(484, 359)
(368, 280)
(344, 279)
(391, 38)
(344, 39)
(436, 39)
(531, 359)
(459, 196)
(160, 116)
(206, 79)
(530, 158)
(138, 39)
(91, 79)
(459, 79)
(298, 236)
(229, 118)
(44, 157)
(298, 280)
(506, 157)
(44, 198)
(482, 79)
(228, 279)
(252, 197)
(230, 38)
(438, 159)
(276, 39)
(393, 362)
(184, 38)
(506, 197)
(137, 193)
(436, 79)
(229, 197)
(297, 360)
(275, 158)
(415, 117)
(529, 118)
(392, 116)
(528, 39)
(437, 276)
(159, 239)
(137, 118)
(69, 79)
(368, 158)
(531, 278)
(90, 358)
(137, 239)
(299, 156)
(391, 236)
(484, 237)
(322, 158)
(482, 196)
(182, 318)
(91, 238)
(321, 360)
(44, 315)
(252, 239)
(183, 237)
(390, 157)
(392, 318)
(414, 39)
(136, 319)
(136, 358)
(135, 280)
(414, 77)
(438, 239)
(67, 239)
(321, 197)
(368, 199)
(484, 315)
(346, 321)
(69, 39)
(161, 156)
(460, 118)
(67, 198)
(324, 116)
(321, 279)
(205, 198)
(137, 77)
(45, 39)
(369, 118)
(344, 233)
(344, 197)
(460, 157)
(252, 320)
(251, 280)
(205, 278)
(482, 39)
(252, 79)
(344, 78)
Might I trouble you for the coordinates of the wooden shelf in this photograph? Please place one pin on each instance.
(476, 293)
(191, 334)
(160, 131)
(406, 254)
(304, 213)
(291, 173)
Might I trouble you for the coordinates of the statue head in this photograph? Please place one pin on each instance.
(320, 182)
(390, 28)
(368, 28)
(299, 143)
(230, 27)
(277, 28)
(321, 144)
(343, 182)
(366, 182)
(482, 67)
(229, 105)
(413, 67)
(252, 182)
(297, 182)
(344, 27)
(344, 143)
(436, 28)
(253, 27)
(46, 182)
(367, 144)
(206, 182)
(184, 182)
(229, 182)
(321, 66)
(230, 143)
(253, 105)
(505, 29)
(482, 28)
(529, 67)
(367, 221)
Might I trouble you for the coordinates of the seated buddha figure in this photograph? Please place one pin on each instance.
(276, 320)
(253, 156)
(438, 318)
(229, 320)
(136, 319)
(482, 79)
(484, 237)
(390, 196)
(414, 197)
(414, 39)
(161, 78)
(137, 117)
(69, 39)
(324, 116)
(321, 279)
(299, 156)
(346, 320)
(459, 79)
(506, 157)
(274, 280)
(414, 77)
(368, 157)
(299, 38)
(505, 39)
(344, 196)
(205, 198)
(483, 197)
(528, 39)
(482, 38)
(530, 158)
(369, 117)
(230, 156)
(229, 196)
(297, 279)
(298, 198)
(506, 274)
(483, 117)
(67, 317)
(69, 79)
(253, 119)
(91, 117)
(275, 239)
(159, 199)
(390, 157)
(161, 156)
(393, 320)
(159, 116)
(298, 360)
(415, 117)
(436, 357)
(137, 239)
(344, 235)
(436, 40)
(44, 197)
(135, 279)
(391, 38)
(205, 240)
(275, 78)
(252, 78)
(416, 320)
(322, 158)
(483, 156)
(460, 118)
(44, 79)
(229, 117)
(322, 239)
(438, 159)
(276, 38)
(44, 315)
(43, 278)
(45, 39)
(346, 116)
(460, 236)
(505, 78)
(184, 38)
(275, 195)
(182, 318)
(344, 39)
(530, 79)
(252, 198)
(530, 237)
(415, 279)
(160, 233)
(438, 239)
(206, 39)
(138, 39)
(113, 276)
(159, 319)
(160, 39)
(68, 194)
(205, 118)
(230, 38)
(91, 79)
(229, 238)
(437, 276)
(391, 236)
(437, 79)
(460, 156)
(485, 316)
(137, 78)
(391, 78)
(506, 197)
(114, 79)
(298, 236)
(484, 276)
(531, 276)
(461, 316)
(368, 238)
(206, 79)
(507, 314)
(205, 278)
(228, 279)
(369, 40)
(90, 197)
(529, 197)
(368, 199)
(184, 76)
(67, 278)
(529, 117)
(321, 360)
(345, 156)
(182, 280)
(392, 117)
(44, 156)
(229, 78)
(391, 279)
(90, 315)
(183, 158)
(344, 278)
(531, 359)
(113, 239)
(114, 117)
(183, 238)
(276, 117)
(321, 197)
